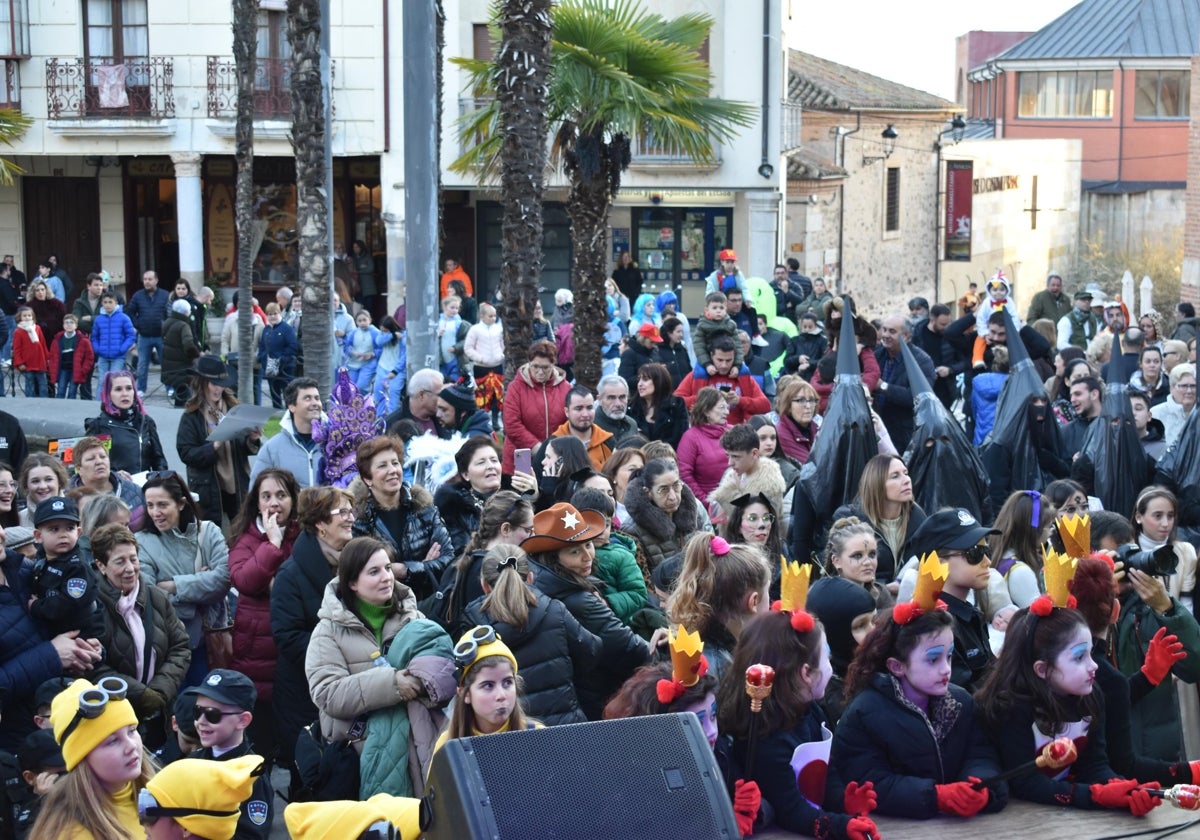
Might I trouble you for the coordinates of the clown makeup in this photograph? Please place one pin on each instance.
(757, 522)
(926, 671)
(706, 710)
(858, 560)
(492, 696)
(1073, 671)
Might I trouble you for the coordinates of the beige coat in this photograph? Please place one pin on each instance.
(342, 679)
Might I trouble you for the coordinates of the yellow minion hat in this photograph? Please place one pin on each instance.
(204, 796)
(478, 643)
(346, 820)
(84, 714)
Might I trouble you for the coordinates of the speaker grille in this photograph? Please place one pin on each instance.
(639, 778)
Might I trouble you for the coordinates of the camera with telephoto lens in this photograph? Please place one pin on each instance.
(1161, 561)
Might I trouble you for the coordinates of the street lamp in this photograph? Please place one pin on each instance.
(957, 127)
(889, 136)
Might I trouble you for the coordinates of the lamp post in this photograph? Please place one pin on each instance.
(888, 136)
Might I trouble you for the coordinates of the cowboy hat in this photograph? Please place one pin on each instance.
(562, 525)
(213, 369)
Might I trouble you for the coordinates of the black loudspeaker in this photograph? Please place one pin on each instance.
(639, 777)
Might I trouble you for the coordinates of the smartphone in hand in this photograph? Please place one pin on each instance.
(522, 461)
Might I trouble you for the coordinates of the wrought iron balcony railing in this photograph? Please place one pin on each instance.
(272, 87)
(101, 87)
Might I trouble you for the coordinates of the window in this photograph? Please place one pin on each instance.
(1073, 94)
(891, 203)
(14, 29)
(117, 30)
(1162, 94)
(273, 66)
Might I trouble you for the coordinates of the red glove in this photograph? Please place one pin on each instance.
(1142, 803)
(860, 801)
(746, 801)
(961, 798)
(861, 828)
(1162, 653)
(1113, 793)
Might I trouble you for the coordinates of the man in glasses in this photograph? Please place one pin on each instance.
(224, 703)
(959, 540)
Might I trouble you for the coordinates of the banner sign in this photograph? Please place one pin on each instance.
(958, 209)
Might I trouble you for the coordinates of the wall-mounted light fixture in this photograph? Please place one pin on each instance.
(956, 129)
(888, 135)
(766, 170)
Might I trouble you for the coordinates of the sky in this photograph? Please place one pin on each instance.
(923, 57)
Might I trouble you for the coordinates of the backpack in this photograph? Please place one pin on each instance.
(564, 339)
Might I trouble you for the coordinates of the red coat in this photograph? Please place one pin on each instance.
(253, 562)
(85, 359)
(702, 459)
(29, 356)
(532, 411)
(870, 377)
(751, 399)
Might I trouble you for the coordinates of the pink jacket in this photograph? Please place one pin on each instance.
(484, 345)
(702, 460)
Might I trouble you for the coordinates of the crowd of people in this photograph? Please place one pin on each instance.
(334, 600)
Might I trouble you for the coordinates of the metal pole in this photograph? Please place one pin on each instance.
(420, 181)
(327, 109)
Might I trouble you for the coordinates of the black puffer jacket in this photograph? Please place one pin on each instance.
(423, 528)
(179, 350)
(165, 635)
(295, 598)
(551, 650)
(676, 358)
(460, 510)
(661, 535)
(623, 651)
(197, 451)
(135, 443)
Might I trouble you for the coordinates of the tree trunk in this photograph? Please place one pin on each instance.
(521, 91)
(245, 43)
(309, 141)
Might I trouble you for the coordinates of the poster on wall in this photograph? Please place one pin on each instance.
(958, 209)
(620, 243)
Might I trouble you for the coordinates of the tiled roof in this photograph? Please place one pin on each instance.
(978, 129)
(1116, 29)
(803, 165)
(823, 85)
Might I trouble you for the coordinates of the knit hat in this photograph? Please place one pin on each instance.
(479, 643)
(181, 307)
(203, 796)
(79, 734)
(347, 820)
(17, 537)
(460, 397)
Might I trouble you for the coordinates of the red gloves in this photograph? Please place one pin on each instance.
(746, 801)
(1161, 654)
(861, 828)
(1124, 793)
(961, 798)
(860, 801)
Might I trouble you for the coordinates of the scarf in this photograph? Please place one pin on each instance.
(127, 607)
(374, 616)
(30, 328)
(331, 554)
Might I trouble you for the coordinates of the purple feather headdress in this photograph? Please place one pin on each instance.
(352, 420)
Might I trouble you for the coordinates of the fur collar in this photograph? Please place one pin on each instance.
(655, 521)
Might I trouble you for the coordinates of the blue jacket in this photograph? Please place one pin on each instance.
(112, 335)
(149, 311)
(27, 659)
(984, 395)
(279, 342)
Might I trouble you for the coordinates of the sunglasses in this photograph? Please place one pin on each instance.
(973, 555)
(212, 715)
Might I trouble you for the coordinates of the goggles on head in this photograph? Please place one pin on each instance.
(149, 811)
(94, 701)
(466, 650)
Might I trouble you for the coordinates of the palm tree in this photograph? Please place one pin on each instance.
(12, 125)
(618, 72)
(245, 46)
(310, 139)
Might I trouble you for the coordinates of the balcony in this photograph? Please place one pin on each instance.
(649, 154)
(272, 88)
(100, 88)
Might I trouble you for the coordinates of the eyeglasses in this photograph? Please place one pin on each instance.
(755, 519)
(541, 368)
(464, 651)
(213, 715)
(345, 513)
(668, 489)
(1183, 387)
(973, 555)
(150, 812)
(805, 401)
(93, 702)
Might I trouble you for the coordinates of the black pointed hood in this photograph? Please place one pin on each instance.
(846, 439)
(1111, 444)
(917, 383)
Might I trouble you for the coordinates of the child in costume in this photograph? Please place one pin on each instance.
(907, 729)
(719, 588)
(685, 685)
(379, 818)
(199, 796)
(847, 612)
(1042, 689)
(488, 697)
(716, 322)
(793, 738)
(362, 352)
(999, 296)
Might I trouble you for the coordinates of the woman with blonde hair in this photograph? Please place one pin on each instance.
(48, 311)
(885, 502)
(720, 587)
(106, 765)
(796, 404)
(550, 644)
